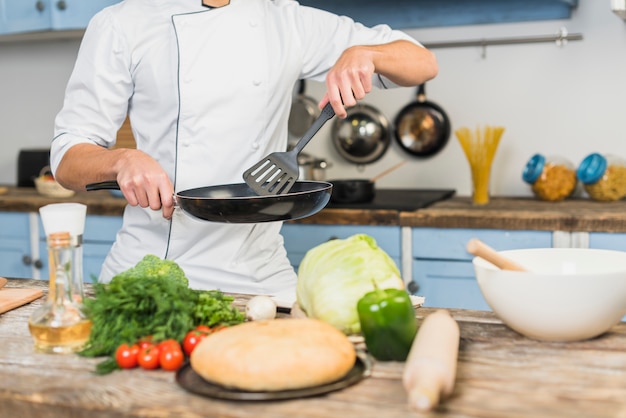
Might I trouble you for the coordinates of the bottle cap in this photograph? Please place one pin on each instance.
(60, 217)
(533, 168)
(592, 168)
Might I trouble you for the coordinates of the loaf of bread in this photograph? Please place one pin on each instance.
(274, 355)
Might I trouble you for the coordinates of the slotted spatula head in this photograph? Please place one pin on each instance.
(277, 173)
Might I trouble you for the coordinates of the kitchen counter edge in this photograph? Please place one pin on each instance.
(508, 213)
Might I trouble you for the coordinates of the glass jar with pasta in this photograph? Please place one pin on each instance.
(551, 178)
(603, 177)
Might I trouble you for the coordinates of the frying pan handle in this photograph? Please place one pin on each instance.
(421, 92)
(103, 185)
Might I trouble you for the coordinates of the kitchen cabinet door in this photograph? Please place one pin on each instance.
(20, 16)
(300, 238)
(443, 272)
(607, 241)
(24, 15)
(15, 249)
(448, 284)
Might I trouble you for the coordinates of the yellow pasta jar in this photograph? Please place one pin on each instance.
(603, 177)
(551, 178)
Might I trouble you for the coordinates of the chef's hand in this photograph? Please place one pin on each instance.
(349, 80)
(145, 183)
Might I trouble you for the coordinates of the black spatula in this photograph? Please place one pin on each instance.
(276, 173)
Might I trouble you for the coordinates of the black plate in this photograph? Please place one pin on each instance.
(191, 381)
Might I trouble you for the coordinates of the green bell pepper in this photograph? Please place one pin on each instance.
(388, 323)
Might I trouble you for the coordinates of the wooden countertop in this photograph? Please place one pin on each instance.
(573, 215)
(500, 374)
(514, 213)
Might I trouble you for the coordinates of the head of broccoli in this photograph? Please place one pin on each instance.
(153, 266)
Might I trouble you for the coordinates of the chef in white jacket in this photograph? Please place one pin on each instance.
(208, 89)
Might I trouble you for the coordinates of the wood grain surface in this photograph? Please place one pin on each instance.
(509, 213)
(500, 374)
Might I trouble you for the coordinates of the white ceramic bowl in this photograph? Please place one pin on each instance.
(569, 294)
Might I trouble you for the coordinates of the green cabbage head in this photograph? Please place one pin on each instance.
(333, 276)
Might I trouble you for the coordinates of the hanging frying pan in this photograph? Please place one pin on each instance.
(238, 203)
(304, 111)
(363, 136)
(422, 128)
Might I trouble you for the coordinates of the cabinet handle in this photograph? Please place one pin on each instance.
(28, 261)
(61, 5)
(412, 287)
(40, 6)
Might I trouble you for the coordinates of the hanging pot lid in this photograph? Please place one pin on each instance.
(363, 136)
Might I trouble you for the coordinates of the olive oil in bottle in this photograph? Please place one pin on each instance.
(60, 325)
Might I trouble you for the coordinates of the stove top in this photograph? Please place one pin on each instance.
(399, 199)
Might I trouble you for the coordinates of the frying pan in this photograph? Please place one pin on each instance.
(422, 128)
(358, 190)
(238, 203)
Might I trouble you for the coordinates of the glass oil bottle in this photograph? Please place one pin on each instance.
(60, 324)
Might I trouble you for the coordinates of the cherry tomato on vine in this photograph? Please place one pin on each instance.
(171, 356)
(148, 357)
(192, 339)
(126, 356)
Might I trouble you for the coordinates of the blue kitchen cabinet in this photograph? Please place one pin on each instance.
(607, 241)
(98, 238)
(299, 238)
(403, 14)
(20, 16)
(443, 270)
(15, 250)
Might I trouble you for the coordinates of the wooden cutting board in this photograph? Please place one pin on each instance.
(12, 298)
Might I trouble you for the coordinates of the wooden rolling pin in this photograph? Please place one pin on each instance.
(430, 369)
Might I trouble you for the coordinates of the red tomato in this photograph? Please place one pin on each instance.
(126, 356)
(171, 356)
(145, 342)
(204, 329)
(148, 357)
(192, 339)
(166, 343)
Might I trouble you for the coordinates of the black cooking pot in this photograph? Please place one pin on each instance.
(353, 191)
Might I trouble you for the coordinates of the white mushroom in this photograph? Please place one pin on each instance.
(260, 307)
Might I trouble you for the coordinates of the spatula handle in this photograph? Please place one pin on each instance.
(327, 113)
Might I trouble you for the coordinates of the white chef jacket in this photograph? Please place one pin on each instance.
(208, 93)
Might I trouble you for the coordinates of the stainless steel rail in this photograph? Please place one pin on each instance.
(559, 39)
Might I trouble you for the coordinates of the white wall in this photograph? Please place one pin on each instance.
(554, 100)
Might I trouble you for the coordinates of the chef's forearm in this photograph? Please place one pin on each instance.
(89, 163)
(404, 62)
